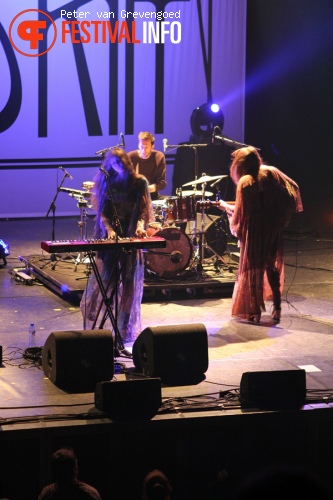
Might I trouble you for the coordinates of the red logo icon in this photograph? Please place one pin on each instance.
(26, 33)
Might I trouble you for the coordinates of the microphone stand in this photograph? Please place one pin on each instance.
(102, 152)
(233, 144)
(52, 208)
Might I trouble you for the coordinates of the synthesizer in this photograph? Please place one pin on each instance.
(68, 246)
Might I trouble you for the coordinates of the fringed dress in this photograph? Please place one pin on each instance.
(263, 209)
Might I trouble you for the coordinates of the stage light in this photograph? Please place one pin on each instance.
(204, 119)
(4, 251)
(215, 108)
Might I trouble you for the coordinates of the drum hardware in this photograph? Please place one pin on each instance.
(198, 236)
(88, 186)
(203, 247)
(82, 223)
(199, 239)
(82, 198)
(218, 241)
(174, 258)
(159, 203)
(74, 193)
(180, 208)
(181, 250)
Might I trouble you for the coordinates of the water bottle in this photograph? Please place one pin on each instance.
(32, 335)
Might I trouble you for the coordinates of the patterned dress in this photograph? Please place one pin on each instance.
(131, 203)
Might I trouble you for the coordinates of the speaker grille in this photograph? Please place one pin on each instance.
(129, 399)
(178, 354)
(274, 389)
(76, 360)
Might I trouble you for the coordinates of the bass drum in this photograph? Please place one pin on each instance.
(172, 259)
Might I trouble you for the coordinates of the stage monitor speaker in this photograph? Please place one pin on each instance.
(135, 399)
(177, 354)
(76, 360)
(274, 389)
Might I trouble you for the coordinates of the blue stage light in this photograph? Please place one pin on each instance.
(4, 250)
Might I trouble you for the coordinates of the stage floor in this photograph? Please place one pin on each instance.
(303, 338)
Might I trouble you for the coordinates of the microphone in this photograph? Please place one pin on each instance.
(214, 136)
(122, 140)
(102, 169)
(165, 144)
(67, 173)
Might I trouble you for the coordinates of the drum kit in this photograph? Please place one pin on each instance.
(173, 215)
(176, 220)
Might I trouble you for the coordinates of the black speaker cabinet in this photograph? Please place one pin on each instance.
(274, 389)
(129, 399)
(177, 354)
(76, 360)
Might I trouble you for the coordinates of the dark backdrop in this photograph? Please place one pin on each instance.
(210, 160)
(289, 97)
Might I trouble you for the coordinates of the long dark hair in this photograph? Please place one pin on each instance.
(245, 161)
(100, 191)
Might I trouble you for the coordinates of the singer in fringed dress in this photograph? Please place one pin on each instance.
(123, 206)
(266, 199)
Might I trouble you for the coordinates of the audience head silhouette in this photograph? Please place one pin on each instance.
(64, 469)
(64, 466)
(156, 486)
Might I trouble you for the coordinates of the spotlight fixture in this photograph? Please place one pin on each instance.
(203, 121)
(4, 251)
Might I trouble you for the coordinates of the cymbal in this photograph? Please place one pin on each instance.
(205, 178)
(196, 193)
(159, 203)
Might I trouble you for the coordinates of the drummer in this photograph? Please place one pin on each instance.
(151, 163)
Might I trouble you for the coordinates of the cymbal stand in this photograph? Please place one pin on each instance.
(82, 205)
(204, 243)
(199, 236)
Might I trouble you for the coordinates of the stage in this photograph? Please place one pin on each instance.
(201, 428)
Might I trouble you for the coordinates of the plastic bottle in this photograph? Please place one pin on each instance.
(32, 335)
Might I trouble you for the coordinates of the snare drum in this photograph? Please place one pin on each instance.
(153, 228)
(181, 208)
(172, 259)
